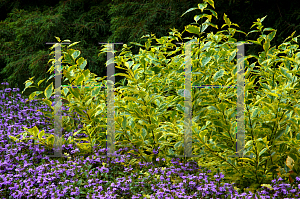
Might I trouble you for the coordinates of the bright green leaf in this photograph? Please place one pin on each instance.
(205, 60)
(202, 6)
(75, 54)
(227, 20)
(218, 75)
(271, 35)
(262, 151)
(49, 90)
(211, 2)
(192, 29)
(266, 45)
(124, 123)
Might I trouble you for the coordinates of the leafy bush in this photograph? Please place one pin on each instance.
(149, 120)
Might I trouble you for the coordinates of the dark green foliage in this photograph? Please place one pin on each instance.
(41, 28)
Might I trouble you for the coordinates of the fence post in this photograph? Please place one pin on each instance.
(57, 107)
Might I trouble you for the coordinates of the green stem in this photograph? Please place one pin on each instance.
(222, 158)
(254, 144)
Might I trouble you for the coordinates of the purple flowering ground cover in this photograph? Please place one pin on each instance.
(26, 171)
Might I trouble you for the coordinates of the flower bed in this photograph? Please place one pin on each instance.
(27, 172)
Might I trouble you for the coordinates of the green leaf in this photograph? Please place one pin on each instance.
(262, 151)
(124, 123)
(254, 113)
(258, 42)
(72, 43)
(290, 36)
(211, 2)
(79, 110)
(192, 29)
(136, 67)
(75, 54)
(202, 6)
(40, 81)
(197, 17)
(272, 94)
(12, 137)
(293, 155)
(137, 143)
(180, 108)
(232, 56)
(48, 91)
(212, 108)
(34, 131)
(81, 62)
(218, 75)
(158, 136)
(205, 60)
(144, 133)
(68, 57)
(267, 86)
(249, 143)
(213, 25)
(79, 79)
(284, 72)
(125, 75)
(28, 83)
(205, 25)
(227, 20)
(266, 45)
(279, 134)
(271, 35)
(249, 85)
(50, 141)
(262, 19)
(75, 92)
(148, 44)
(178, 144)
(222, 106)
(269, 29)
(58, 39)
(32, 95)
(41, 134)
(214, 14)
(189, 10)
(181, 92)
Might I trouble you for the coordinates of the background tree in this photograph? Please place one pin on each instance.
(25, 33)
